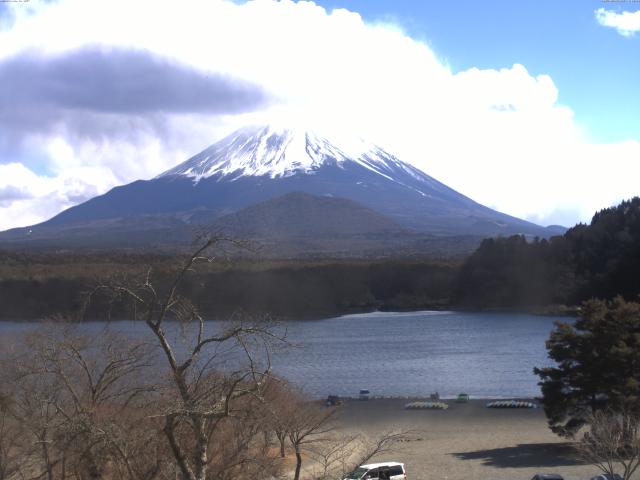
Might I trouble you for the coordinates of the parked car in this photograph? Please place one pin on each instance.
(462, 398)
(547, 476)
(379, 471)
(607, 476)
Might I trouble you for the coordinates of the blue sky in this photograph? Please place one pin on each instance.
(596, 70)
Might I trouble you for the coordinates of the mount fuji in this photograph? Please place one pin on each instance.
(273, 182)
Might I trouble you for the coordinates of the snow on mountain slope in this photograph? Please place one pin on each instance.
(279, 152)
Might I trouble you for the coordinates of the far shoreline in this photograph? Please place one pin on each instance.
(447, 399)
(546, 311)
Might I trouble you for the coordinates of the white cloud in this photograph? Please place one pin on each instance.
(43, 197)
(626, 23)
(498, 136)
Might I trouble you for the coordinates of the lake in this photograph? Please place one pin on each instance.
(487, 355)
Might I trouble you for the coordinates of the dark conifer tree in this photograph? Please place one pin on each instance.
(598, 365)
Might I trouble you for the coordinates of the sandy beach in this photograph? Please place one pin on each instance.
(468, 440)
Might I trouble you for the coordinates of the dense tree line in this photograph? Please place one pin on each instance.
(288, 289)
(599, 260)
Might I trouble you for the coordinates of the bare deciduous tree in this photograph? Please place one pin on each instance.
(334, 458)
(82, 400)
(34, 402)
(612, 443)
(240, 451)
(11, 440)
(201, 395)
(280, 399)
(384, 443)
(309, 424)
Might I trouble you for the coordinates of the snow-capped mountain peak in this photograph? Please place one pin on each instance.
(278, 152)
(255, 165)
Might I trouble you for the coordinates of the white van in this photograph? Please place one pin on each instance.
(379, 471)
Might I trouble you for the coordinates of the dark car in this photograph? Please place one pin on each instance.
(607, 476)
(547, 476)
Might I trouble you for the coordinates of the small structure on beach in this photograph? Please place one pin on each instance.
(426, 406)
(511, 404)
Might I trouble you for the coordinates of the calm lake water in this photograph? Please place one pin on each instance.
(488, 355)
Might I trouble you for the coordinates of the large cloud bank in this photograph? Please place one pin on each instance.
(103, 93)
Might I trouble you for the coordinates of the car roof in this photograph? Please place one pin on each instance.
(382, 464)
(549, 476)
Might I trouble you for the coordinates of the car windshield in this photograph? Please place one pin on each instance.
(357, 474)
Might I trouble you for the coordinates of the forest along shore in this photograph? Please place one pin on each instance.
(34, 286)
(467, 440)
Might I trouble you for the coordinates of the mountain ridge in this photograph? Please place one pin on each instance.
(255, 164)
(299, 214)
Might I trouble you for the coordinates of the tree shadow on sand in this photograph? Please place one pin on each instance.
(526, 455)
